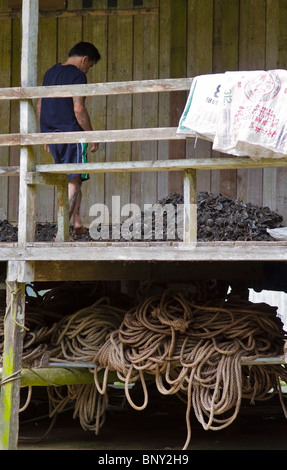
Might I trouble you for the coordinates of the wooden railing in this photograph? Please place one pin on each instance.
(31, 174)
(52, 174)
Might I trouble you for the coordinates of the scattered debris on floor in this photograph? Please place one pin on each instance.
(219, 218)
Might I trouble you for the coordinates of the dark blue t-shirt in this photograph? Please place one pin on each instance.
(57, 114)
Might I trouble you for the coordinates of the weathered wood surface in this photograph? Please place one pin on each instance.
(57, 376)
(12, 363)
(43, 4)
(29, 52)
(190, 208)
(58, 13)
(163, 165)
(96, 89)
(113, 136)
(9, 171)
(164, 271)
(77, 374)
(144, 251)
(15, 311)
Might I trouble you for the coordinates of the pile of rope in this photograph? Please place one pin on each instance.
(78, 338)
(195, 351)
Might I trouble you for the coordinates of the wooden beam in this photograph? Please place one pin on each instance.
(21, 271)
(27, 194)
(46, 179)
(86, 12)
(9, 171)
(190, 207)
(43, 4)
(97, 89)
(63, 215)
(12, 364)
(162, 165)
(15, 312)
(145, 251)
(57, 376)
(125, 135)
(77, 374)
(179, 272)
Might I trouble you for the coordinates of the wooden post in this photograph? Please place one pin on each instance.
(12, 363)
(15, 311)
(27, 194)
(19, 272)
(63, 212)
(190, 207)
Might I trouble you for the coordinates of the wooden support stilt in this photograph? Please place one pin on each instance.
(61, 182)
(14, 328)
(27, 193)
(190, 207)
(63, 212)
(12, 362)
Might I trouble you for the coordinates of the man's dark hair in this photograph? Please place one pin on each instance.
(85, 48)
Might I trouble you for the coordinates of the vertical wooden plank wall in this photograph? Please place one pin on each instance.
(137, 103)
(200, 62)
(164, 101)
(120, 40)
(178, 69)
(47, 57)
(146, 39)
(95, 30)
(13, 190)
(225, 57)
(185, 38)
(151, 100)
(281, 194)
(5, 77)
(272, 62)
(251, 57)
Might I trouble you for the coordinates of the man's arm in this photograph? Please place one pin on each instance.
(83, 117)
(38, 109)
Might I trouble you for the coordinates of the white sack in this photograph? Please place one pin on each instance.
(200, 113)
(242, 113)
(278, 233)
(252, 114)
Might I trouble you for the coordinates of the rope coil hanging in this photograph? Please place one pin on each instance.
(196, 351)
(193, 351)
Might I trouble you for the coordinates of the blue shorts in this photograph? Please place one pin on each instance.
(70, 153)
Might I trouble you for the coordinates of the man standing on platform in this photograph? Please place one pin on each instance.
(70, 115)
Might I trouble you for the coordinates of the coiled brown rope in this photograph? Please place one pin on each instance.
(74, 337)
(89, 405)
(196, 351)
(79, 336)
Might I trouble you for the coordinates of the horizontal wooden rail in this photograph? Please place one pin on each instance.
(9, 171)
(80, 373)
(97, 89)
(163, 165)
(223, 163)
(85, 12)
(59, 375)
(119, 135)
